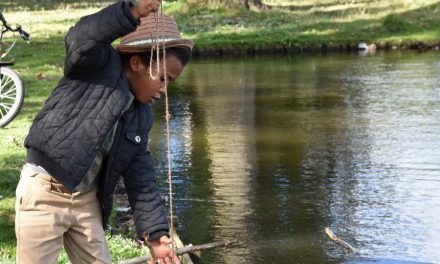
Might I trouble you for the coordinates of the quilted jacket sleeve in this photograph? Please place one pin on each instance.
(149, 213)
(88, 43)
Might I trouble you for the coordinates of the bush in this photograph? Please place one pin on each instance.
(395, 23)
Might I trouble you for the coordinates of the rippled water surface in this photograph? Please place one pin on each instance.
(268, 151)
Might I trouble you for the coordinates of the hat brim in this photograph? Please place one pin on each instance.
(187, 43)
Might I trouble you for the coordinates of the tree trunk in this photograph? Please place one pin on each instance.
(256, 5)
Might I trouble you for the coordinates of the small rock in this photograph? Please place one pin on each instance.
(16, 141)
(122, 209)
(42, 76)
(362, 46)
(365, 46)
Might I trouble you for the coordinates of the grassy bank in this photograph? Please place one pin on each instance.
(286, 26)
(312, 25)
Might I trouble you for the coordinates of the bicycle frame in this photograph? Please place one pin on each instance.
(5, 28)
(2, 31)
(11, 86)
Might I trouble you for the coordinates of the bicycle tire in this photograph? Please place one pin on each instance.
(11, 95)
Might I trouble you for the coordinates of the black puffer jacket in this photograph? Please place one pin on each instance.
(90, 99)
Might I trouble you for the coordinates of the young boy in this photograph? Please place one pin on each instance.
(93, 129)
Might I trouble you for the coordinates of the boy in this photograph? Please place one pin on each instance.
(93, 129)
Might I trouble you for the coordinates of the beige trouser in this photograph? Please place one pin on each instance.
(48, 215)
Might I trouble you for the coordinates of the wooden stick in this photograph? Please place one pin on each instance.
(180, 251)
(191, 248)
(333, 237)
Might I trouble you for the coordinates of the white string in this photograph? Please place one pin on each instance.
(155, 45)
(167, 119)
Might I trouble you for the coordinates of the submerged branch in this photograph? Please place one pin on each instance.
(341, 242)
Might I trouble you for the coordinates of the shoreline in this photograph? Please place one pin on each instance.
(212, 50)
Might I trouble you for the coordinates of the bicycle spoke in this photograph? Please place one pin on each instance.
(8, 92)
(4, 105)
(1, 112)
(9, 86)
(9, 80)
(7, 104)
(11, 92)
(8, 97)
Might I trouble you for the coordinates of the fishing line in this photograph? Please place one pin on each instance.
(167, 119)
(156, 45)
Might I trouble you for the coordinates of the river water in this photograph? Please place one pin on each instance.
(267, 151)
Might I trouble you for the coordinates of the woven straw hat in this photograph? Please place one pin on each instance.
(146, 36)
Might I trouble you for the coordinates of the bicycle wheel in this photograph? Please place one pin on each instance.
(11, 95)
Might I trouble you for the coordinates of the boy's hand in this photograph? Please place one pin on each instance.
(161, 251)
(144, 7)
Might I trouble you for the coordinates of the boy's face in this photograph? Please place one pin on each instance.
(146, 89)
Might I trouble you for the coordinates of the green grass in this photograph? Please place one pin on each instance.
(45, 54)
(299, 24)
(288, 24)
(312, 24)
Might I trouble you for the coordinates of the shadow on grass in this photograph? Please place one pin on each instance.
(9, 173)
(35, 54)
(347, 11)
(7, 235)
(326, 10)
(317, 4)
(417, 22)
(12, 5)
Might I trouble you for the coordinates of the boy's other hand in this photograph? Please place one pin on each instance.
(162, 252)
(144, 7)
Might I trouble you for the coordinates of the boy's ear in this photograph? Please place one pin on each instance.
(136, 63)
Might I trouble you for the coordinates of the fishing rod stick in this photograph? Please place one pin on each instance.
(180, 251)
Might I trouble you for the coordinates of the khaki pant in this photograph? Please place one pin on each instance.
(47, 216)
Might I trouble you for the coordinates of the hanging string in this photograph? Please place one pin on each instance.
(155, 45)
(167, 112)
(167, 120)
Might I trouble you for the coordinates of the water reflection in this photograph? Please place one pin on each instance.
(396, 188)
(268, 151)
(230, 134)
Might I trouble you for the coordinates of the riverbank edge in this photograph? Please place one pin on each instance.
(235, 49)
